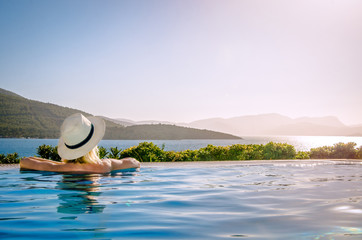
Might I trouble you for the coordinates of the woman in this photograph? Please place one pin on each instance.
(78, 149)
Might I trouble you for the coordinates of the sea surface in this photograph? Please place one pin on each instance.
(240, 200)
(27, 147)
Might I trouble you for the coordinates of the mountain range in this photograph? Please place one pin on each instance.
(276, 124)
(267, 124)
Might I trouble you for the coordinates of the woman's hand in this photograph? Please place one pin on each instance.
(124, 163)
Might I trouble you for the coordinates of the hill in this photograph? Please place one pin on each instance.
(6, 92)
(21, 117)
(162, 131)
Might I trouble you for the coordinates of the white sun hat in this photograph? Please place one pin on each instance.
(79, 135)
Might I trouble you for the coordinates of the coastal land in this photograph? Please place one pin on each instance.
(24, 118)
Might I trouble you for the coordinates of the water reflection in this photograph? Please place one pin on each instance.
(80, 197)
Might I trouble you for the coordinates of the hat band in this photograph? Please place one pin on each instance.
(82, 143)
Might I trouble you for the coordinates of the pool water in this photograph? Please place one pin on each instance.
(231, 200)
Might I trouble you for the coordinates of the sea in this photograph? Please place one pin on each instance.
(28, 147)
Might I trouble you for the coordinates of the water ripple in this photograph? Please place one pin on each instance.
(256, 201)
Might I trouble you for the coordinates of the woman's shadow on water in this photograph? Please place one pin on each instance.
(80, 192)
(80, 195)
(83, 190)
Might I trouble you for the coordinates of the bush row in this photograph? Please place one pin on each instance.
(337, 151)
(149, 152)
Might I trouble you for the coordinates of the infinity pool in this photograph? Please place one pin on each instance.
(213, 200)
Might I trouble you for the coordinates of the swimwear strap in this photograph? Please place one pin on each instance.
(82, 143)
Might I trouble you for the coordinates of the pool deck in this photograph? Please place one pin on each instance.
(231, 163)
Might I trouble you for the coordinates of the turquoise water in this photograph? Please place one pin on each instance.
(250, 200)
(27, 147)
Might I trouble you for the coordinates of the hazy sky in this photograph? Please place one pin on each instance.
(186, 60)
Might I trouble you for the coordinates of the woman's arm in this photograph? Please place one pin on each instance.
(35, 163)
(40, 164)
(124, 163)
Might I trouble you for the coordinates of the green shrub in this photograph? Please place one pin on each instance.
(337, 151)
(170, 156)
(245, 152)
(302, 155)
(145, 152)
(48, 152)
(102, 152)
(321, 152)
(359, 152)
(253, 152)
(182, 156)
(114, 153)
(344, 150)
(279, 151)
(212, 153)
(188, 155)
(235, 151)
(11, 158)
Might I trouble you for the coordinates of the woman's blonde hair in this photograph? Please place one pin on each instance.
(91, 157)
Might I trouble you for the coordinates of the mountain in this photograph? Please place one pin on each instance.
(245, 125)
(123, 122)
(21, 117)
(322, 121)
(6, 92)
(276, 124)
(161, 131)
(127, 122)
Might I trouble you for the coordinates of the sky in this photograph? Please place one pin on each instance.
(185, 60)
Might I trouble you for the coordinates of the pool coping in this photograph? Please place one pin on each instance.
(250, 162)
(230, 163)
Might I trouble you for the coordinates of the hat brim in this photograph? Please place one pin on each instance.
(99, 130)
